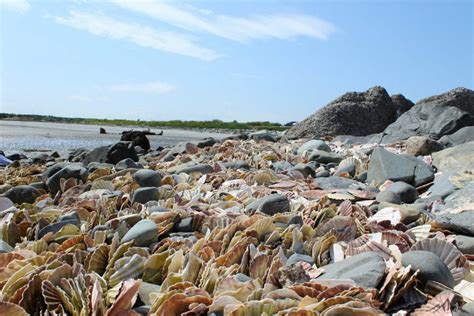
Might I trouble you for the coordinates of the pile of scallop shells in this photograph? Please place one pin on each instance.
(234, 259)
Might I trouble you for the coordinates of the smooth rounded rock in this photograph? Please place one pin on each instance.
(313, 144)
(430, 267)
(22, 194)
(366, 269)
(296, 257)
(465, 244)
(322, 156)
(422, 146)
(4, 247)
(270, 205)
(147, 178)
(406, 192)
(127, 163)
(144, 233)
(5, 203)
(71, 171)
(143, 195)
(388, 196)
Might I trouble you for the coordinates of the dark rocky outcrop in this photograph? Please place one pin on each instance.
(137, 138)
(435, 116)
(354, 113)
(111, 154)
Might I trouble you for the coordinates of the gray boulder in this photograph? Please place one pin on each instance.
(72, 171)
(430, 267)
(324, 157)
(143, 195)
(270, 205)
(263, 135)
(147, 178)
(354, 113)
(435, 116)
(111, 154)
(385, 165)
(22, 194)
(144, 233)
(406, 192)
(366, 269)
(198, 168)
(401, 103)
(388, 196)
(327, 183)
(461, 223)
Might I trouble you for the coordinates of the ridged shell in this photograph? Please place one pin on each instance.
(343, 227)
(420, 232)
(127, 268)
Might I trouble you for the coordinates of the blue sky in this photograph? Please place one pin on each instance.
(234, 59)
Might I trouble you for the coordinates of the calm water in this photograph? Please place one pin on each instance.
(18, 136)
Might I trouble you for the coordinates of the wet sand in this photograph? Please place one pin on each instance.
(19, 136)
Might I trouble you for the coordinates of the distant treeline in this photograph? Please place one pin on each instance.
(215, 124)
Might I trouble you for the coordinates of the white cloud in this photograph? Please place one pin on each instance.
(101, 25)
(150, 87)
(21, 6)
(242, 29)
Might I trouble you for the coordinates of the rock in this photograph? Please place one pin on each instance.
(51, 170)
(238, 164)
(462, 223)
(296, 220)
(324, 157)
(137, 138)
(102, 131)
(354, 113)
(4, 247)
(362, 177)
(16, 157)
(365, 269)
(338, 183)
(280, 166)
(406, 192)
(263, 135)
(199, 168)
(296, 257)
(468, 309)
(385, 165)
(127, 163)
(422, 146)
(147, 178)
(143, 195)
(144, 233)
(22, 194)
(313, 144)
(463, 135)
(388, 196)
(206, 142)
(270, 205)
(322, 174)
(401, 103)
(305, 169)
(5, 203)
(158, 209)
(71, 171)
(465, 244)
(55, 227)
(443, 185)
(111, 154)
(462, 198)
(185, 225)
(430, 267)
(457, 158)
(71, 217)
(435, 116)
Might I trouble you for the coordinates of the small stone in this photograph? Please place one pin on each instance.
(388, 196)
(143, 195)
(324, 157)
(406, 192)
(158, 209)
(313, 144)
(385, 165)
(365, 269)
(280, 166)
(239, 164)
(5, 203)
(54, 228)
(22, 194)
(144, 233)
(270, 205)
(338, 183)
(422, 146)
(263, 135)
(322, 174)
(147, 178)
(465, 244)
(199, 168)
(127, 163)
(430, 267)
(69, 172)
(185, 225)
(296, 220)
(349, 169)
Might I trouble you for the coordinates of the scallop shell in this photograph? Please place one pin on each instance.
(420, 232)
(102, 185)
(11, 309)
(439, 305)
(343, 227)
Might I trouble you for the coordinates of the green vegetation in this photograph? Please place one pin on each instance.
(214, 124)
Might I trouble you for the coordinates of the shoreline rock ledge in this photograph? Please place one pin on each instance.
(354, 113)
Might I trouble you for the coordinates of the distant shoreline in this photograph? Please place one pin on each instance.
(212, 125)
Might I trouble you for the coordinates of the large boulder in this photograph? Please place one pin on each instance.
(354, 113)
(137, 138)
(401, 103)
(435, 116)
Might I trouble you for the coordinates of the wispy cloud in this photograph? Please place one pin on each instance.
(101, 25)
(21, 6)
(149, 87)
(242, 29)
